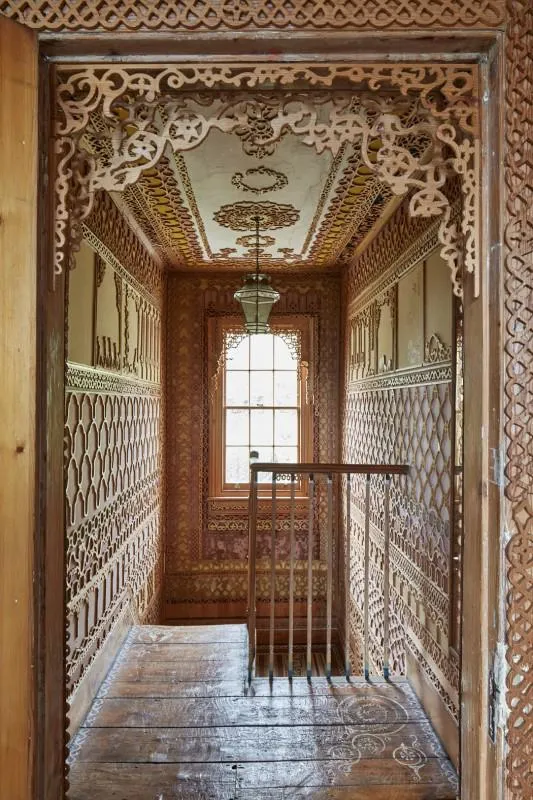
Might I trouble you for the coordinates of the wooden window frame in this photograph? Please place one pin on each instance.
(217, 329)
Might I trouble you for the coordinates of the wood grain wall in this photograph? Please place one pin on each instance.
(18, 359)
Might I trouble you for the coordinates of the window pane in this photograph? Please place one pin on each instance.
(262, 429)
(286, 428)
(283, 357)
(236, 388)
(237, 357)
(236, 427)
(266, 455)
(261, 390)
(262, 351)
(285, 389)
(237, 465)
(286, 455)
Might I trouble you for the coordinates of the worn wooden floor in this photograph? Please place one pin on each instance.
(175, 720)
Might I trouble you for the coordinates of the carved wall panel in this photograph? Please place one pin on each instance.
(207, 539)
(113, 446)
(187, 15)
(519, 392)
(400, 410)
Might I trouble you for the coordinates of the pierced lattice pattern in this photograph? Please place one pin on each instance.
(209, 15)
(519, 393)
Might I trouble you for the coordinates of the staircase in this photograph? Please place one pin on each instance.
(175, 719)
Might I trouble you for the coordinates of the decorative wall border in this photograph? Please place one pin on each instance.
(414, 376)
(78, 377)
(518, 409)
(212, 15)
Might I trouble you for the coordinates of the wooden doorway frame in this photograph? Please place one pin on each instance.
(481, 759)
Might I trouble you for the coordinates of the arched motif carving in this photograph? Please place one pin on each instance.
(146, 111)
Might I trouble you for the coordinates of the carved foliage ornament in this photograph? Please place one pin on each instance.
(278, 180)
(448, 99)
(242, 216)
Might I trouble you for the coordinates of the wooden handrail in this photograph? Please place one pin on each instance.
(333, 469)
(312, 470)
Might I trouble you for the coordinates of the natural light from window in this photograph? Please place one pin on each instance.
(261, 406)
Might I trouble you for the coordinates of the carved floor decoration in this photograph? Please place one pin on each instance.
(174, 720)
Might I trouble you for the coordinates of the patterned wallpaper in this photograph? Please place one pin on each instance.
(207, 539)
(399, 407)
(113, 446)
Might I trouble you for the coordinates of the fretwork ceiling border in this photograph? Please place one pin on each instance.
(451, 124)
(213, 15)
(519, 393)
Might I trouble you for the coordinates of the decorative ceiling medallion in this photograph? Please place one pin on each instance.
(280, 180)
(249, 241)
(241, 216)
(259, 137)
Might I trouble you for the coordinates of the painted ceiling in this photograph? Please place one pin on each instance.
(197, 207)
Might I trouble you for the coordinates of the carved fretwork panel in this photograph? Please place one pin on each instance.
(113, 539)
(191, 15)
(207, 538)
(411, 152)
(403, 413)
(519, 393)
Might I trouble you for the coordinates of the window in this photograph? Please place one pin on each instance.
(260, 404)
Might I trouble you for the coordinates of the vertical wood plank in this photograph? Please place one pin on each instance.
(310, 576)
(366, 657)
(329, 581)
(272, 580)
(18, 363)
(252, 557)
(291, 574)
(386, 578)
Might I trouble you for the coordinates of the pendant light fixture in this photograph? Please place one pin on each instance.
(257, 296)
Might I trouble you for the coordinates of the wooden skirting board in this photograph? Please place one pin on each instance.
(83, 697)
(441, 719)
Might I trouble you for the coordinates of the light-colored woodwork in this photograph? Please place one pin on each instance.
(81, 288)
(82, 699)
(18, 360)
(441, 719)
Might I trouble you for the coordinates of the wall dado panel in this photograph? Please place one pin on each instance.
(399, 407)
(112, 446)
(206, 537)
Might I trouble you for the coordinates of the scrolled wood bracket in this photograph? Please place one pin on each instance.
(145, 111)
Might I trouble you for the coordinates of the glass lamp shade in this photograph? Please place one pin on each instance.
(256, 298)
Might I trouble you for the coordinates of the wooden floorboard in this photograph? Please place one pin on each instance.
(176, 719)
